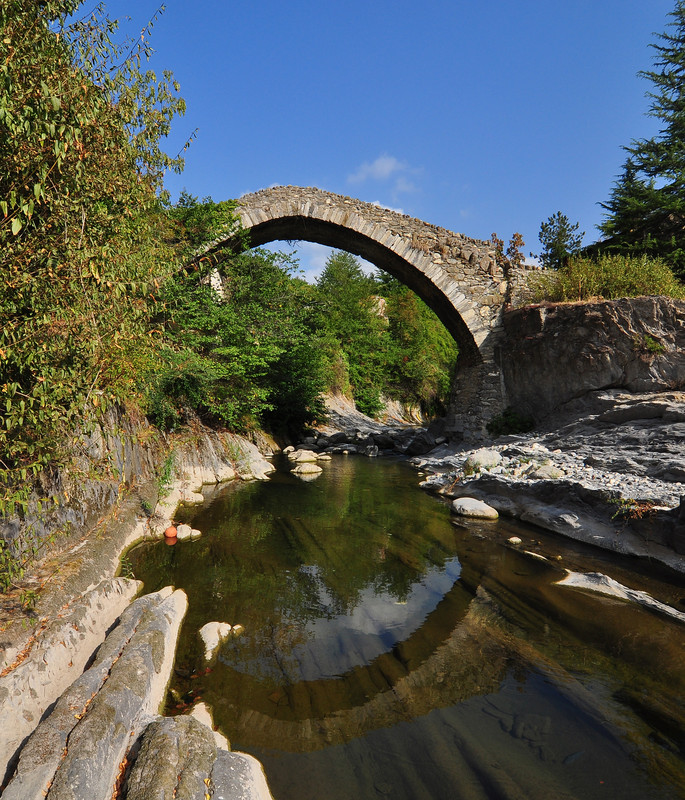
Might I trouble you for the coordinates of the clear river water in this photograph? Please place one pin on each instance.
(387, 652)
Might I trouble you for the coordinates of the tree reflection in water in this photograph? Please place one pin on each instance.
(386, 652)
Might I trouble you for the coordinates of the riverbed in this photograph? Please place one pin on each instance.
(384, 651)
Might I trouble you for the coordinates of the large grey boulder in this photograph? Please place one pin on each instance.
(476, 509)
(77, 751)
(179, 760)
(57, 656)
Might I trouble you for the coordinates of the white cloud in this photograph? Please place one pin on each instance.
(389, 208)
(397, 175)
(379, 170)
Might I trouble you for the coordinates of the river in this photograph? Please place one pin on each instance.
(387, 652)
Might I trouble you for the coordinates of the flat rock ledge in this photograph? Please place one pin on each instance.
(107, 720)
(33, 678)
(613, 476)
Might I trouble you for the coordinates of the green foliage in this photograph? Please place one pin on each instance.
(380, 339)
(509, 422)
(82, 239)
(242, 347)
(349, 312)
(421, 354)
(607, 277)
(559, 240)
(646, 210)
(648, 345)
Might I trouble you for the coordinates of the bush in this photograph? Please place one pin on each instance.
(607, 277)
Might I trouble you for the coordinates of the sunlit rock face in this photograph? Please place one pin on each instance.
(553, 354)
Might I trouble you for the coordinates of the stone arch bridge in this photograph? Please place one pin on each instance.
(458, 277)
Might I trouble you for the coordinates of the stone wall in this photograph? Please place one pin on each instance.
(553, 353)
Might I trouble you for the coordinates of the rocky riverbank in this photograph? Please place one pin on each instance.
(608, 470)
(83, 677)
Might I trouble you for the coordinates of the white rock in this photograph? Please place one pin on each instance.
(303, 456)
(470, 507)
(307, 468)
(202, 714)
(483, 458)
(516, 540)
(288, 449)
(191, 498)
(195, 533)
(183, 532)
(212, 634)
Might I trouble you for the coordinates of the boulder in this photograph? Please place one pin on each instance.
(212, 634)
(78, 749)
(302, 456)
(470, 507)
(307, 468)
(179, 758)
(183, 532)
(482, 459)
(422, 443)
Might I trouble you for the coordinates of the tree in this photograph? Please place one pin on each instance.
(356, 327)
(559, 240)
(82, 234)
(646, 210)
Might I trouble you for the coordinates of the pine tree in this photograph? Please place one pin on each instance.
(560, 239)
(646, 210)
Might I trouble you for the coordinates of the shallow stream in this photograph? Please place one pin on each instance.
(387, 652)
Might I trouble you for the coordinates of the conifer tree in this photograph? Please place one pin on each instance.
(646, 210)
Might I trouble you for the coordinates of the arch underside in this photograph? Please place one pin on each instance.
(309, 229)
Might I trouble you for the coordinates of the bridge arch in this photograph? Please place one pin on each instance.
(457, 276)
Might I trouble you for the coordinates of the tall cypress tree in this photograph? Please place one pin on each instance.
(646, 210)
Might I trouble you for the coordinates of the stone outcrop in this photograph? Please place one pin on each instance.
(552, 354)
(103, 738)
(54, 657)
(612, 476)
(78, 749)
(179, 758)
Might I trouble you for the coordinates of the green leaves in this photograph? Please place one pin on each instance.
(646, 209)
(82, 233)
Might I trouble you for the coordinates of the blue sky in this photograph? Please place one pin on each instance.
(477, 115)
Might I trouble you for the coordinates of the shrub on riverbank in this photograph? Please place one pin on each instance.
(608, 277)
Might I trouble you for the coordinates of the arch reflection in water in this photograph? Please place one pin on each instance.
(387, 653)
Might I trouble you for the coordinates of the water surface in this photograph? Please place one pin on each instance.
(386, 652)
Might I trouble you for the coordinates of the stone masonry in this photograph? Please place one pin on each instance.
(458, 277)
